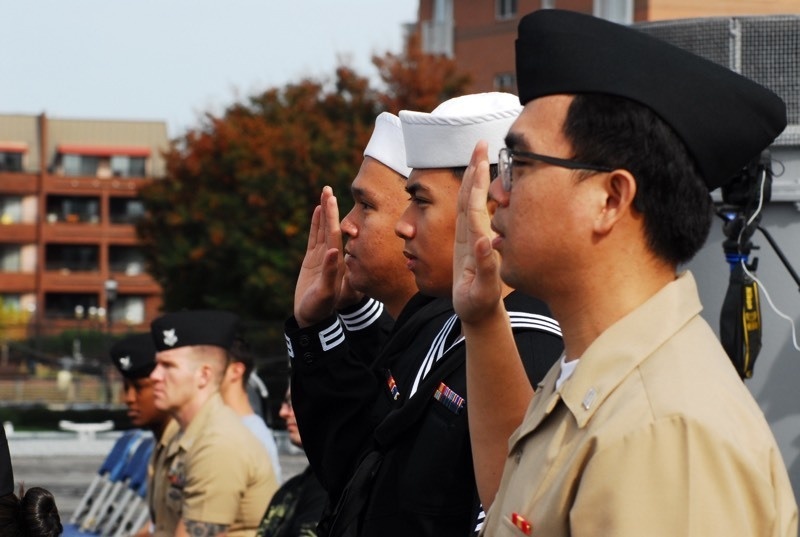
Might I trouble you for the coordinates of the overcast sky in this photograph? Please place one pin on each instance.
(173, 60)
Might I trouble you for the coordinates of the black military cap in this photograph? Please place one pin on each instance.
(198, 327)
(724, 119)
(134, 356)
(6, 473)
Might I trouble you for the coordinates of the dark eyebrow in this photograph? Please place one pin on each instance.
(357, 192)
(416, 187)
(515, 140)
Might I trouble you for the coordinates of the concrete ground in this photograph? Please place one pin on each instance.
(66, 466)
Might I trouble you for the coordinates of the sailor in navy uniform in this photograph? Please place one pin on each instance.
(390, 441)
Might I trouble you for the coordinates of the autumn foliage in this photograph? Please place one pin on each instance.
(226, 228)
(418, 81)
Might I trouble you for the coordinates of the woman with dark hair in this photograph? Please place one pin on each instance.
(33, 513)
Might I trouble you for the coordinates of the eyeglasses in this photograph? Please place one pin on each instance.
(505, 164)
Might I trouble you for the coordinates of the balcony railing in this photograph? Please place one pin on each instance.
(127, 219)
(72, 266)
(73, 218)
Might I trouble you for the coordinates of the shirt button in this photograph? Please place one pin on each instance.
(304, 341)
(308, 358)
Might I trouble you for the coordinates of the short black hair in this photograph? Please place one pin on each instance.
(459, 171)
(240, 352)
(671, 194)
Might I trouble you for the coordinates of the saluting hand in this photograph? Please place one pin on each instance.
(320, 280)
(477, 287)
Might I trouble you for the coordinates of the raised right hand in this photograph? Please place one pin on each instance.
(320, 280)
(477, 287)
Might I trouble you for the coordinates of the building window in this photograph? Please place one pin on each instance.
(10, 161)
(10, 302)
(505, 82)
(80, 165)
(62, 305)
(125, 166)
(73, 209)
(10, 209)
(614, 10)
(128, 260)
(18, 258)
(437, 33)
(126, 210)
(102, 161)
(10, 258)
(128, 309)
(442, 10)
(72, 257)
(18, 209)
(16, 309)
(506, 9)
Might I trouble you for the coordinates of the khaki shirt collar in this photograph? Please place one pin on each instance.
(198, 424)
(615, 354)
(169, 433)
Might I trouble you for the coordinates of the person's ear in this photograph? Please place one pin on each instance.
(237, 371)
(617, 191)
(205, 375)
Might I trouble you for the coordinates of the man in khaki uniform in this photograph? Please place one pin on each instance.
(135, 358)
(158, 464)
(644, 427)
(214, 477)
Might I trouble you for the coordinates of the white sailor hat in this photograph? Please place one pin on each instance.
(446, 137)
(386, 144)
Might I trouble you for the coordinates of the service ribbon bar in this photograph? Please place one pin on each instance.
(393, 387)
(450, 399)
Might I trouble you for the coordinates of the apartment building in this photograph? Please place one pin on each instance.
(480, 34)
(69, 254)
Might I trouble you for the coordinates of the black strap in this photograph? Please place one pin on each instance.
(740, 322)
